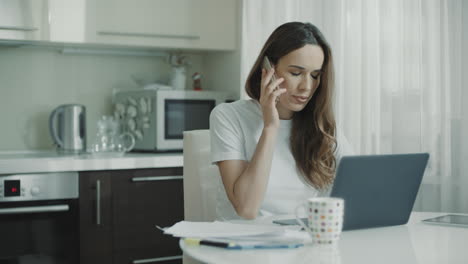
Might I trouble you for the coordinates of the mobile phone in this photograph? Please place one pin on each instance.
(267, 66)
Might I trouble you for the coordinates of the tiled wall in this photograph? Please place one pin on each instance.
(35, 80)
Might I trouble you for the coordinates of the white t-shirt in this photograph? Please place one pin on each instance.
(235, 129)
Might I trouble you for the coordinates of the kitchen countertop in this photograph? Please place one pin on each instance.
(51, 161)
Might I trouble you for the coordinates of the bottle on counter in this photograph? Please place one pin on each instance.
(178, 76)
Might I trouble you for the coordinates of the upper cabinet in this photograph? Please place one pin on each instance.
(20, 19)
(199, 24)
(180, 24)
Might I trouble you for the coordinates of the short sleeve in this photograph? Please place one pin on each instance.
(227, 142)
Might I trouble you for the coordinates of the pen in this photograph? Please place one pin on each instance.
(197, 241)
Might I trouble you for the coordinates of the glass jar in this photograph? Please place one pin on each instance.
(109, 139)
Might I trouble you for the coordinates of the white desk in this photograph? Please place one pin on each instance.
(415, 242)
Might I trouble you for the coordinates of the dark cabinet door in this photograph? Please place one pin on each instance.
(95, 217)
(143, 199)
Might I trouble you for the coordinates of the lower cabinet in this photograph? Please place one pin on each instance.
(119, 211)
(95, 217)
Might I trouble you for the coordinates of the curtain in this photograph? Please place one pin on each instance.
(399, 79)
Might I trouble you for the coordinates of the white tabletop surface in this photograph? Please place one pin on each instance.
(415, 242)
(51, 161)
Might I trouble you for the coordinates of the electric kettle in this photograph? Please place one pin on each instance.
(67, 125)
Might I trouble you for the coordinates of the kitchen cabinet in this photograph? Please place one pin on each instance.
(173, 24)
(95, 210)
(201, 24)
(120, 209)
(45, 21)
(141, 200)
(21, 19)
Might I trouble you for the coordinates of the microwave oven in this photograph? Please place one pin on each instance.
(158, 118)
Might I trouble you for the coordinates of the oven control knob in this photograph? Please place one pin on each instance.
(35, 191)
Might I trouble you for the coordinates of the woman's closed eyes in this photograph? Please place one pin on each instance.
(315, 75)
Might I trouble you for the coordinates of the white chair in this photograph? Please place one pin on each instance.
(201, 178)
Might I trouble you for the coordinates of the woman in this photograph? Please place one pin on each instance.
(279, 148)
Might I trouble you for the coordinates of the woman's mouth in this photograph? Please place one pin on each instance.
(300, 99)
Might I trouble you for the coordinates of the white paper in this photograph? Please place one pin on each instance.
(220, 229)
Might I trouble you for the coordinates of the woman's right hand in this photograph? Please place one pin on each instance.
(269, 95)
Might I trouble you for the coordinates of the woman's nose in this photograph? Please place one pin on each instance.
(306, 83)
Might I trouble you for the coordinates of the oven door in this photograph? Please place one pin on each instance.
(39, 232)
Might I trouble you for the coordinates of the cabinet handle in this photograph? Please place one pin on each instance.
(147, 35)
(140, 261)
(98, 202)
(157, 178)
(35, 209)
(18, 28)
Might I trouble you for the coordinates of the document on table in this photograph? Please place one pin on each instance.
(219, 229)
(237, 235)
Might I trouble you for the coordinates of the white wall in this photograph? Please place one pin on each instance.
(463, 172)
(224, 73)
(464, 69)
(35, 80)
(224, 68)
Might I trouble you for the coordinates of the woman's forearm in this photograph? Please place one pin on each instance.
(249, 188)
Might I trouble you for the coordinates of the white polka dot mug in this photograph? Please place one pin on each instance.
(324, 218)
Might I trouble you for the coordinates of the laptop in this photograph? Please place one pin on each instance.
(379, 190)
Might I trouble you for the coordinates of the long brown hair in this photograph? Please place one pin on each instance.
(313, 140)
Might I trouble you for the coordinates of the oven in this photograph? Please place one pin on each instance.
(39, 218)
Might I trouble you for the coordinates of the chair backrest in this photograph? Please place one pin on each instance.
(200, 177)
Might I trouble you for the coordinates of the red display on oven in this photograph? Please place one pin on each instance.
(12, 188)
